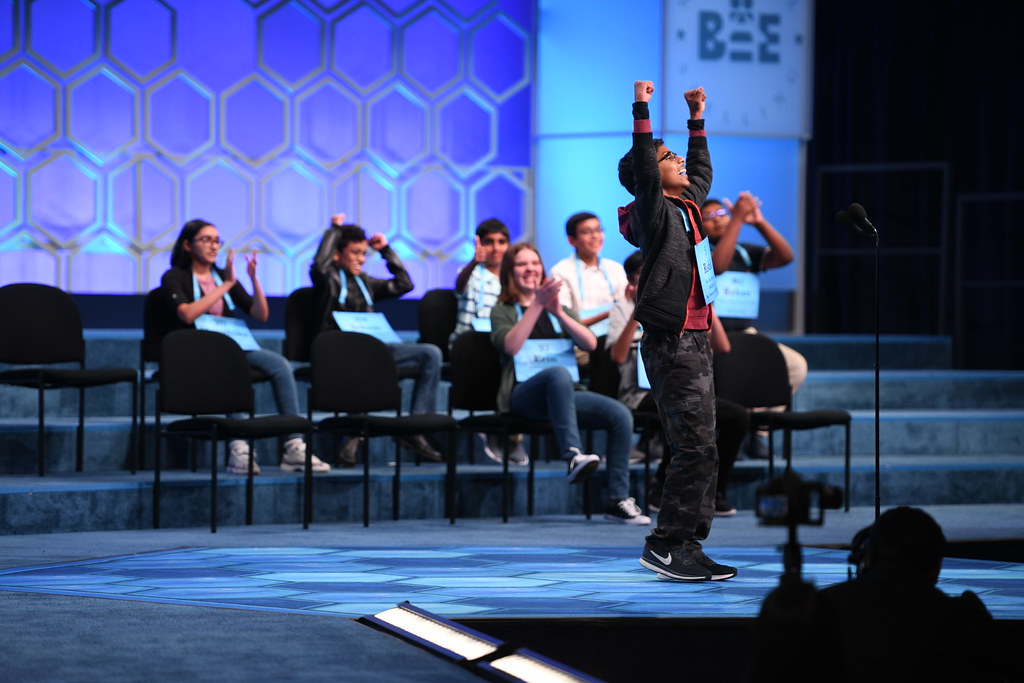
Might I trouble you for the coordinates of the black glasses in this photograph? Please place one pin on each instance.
(670, 156)
(206, 240)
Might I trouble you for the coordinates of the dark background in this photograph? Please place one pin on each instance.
(917, 118)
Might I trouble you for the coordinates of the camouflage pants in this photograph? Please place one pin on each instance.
(682, 384)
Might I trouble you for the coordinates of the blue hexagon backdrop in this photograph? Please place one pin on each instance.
(122, 119)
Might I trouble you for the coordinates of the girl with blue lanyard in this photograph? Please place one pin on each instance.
(194, 287)
(528, 310)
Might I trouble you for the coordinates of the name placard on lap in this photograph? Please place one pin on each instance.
(231, 327)
(481, 324)
(373, 324)
(541, 354)
(739, 295)
(600, 328)
(706, 270)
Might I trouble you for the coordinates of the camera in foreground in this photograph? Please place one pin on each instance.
(788, 500)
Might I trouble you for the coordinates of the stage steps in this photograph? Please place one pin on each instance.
(946, 436)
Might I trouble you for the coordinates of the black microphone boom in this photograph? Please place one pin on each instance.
(860, 219)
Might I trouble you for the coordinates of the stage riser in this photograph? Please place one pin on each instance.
(857, 352)
(912, 390)
(924, 433)
(939, 390)
(278, 499)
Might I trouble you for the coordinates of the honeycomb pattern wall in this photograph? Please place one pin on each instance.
(122, 119)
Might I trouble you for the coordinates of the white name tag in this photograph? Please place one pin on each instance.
(541, 354)
(739, 295)
(373, 324)
(231, 327)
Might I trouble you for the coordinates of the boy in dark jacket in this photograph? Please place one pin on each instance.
(674, 297)
(340, 284)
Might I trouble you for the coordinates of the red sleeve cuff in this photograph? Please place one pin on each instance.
(642, 126)
(698, 134)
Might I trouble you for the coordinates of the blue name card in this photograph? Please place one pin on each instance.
(600, 328)
(641, 372)
(482, 324)
(541, 354)
(232, 327)
(706, 270)
(739, 295)
(373, 324)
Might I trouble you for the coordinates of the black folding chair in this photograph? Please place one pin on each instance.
(205, 375)
(437, 314)
(754, 375)
(159, 320)
(476, 375)
(355, 374)
(43, 327)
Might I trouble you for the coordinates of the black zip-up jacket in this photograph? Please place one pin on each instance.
(327, 282)
(654, 224)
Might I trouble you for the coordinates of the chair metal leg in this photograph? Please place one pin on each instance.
(80, 434)
(396, 485)
(846, 481)
(213, 479)
(249, 483)
(133, 441)
(42, 438)
(307, 497)
(366, 482)
(141, 453)
(449, 479)
(506, 484)
(787, 448)
(771, 452)
(156, 471)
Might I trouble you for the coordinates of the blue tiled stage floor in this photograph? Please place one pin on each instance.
(467, 581)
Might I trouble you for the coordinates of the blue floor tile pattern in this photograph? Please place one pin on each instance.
(468, 581)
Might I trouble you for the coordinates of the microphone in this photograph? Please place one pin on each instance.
(845, 218)
(860, 219)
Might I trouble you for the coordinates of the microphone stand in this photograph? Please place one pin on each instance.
(878, 366)
(857, 218)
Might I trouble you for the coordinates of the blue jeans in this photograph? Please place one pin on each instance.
(551, 395)
(427, 358)
(279, 371)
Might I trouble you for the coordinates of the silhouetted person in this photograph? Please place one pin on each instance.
(890, 623)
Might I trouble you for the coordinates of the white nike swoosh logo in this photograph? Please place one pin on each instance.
(664, 560)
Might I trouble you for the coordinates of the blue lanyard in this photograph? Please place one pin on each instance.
(551, 316)
(481, 291)
(742, 253)
(686, 219)
(197, 291)
(343, 295)
(579, 278)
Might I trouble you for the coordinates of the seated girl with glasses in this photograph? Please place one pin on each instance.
(195, 286)
(528, 325)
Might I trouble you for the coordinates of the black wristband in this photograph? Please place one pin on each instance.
(641, 111)
(695, 124)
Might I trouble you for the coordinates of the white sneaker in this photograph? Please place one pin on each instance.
(581, 465)
(627, 512)
(238, 462)
(294, 458)
(494, 448)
